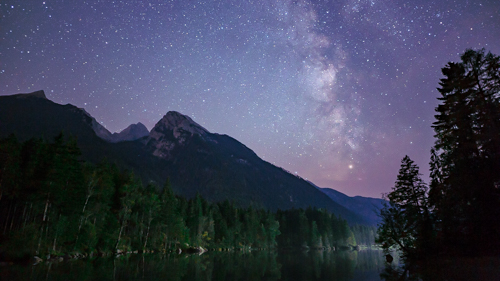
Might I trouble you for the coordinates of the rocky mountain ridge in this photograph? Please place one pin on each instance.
(196, 161)
(173, 129)
(132, 132)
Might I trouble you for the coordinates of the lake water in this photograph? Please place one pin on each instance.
(211, 266)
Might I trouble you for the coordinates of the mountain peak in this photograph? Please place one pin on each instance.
(179, 124)
(132, 132)
(37, 94)
(172, 130)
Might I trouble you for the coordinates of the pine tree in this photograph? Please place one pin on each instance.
(466, 155)
(406, 213)
(409, 191)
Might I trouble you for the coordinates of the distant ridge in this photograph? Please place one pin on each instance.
(364, 206)
(132, 132)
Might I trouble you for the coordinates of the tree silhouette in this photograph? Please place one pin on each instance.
(406, 213)
(466, 155)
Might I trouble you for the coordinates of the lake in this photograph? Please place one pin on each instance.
(213, 266)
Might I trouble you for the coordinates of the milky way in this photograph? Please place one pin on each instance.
(337, 92)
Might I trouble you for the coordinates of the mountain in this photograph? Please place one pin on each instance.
(195, 160)
(174, 129)
(33, 116)
(132, 132)
(367, 207)
(219, 167)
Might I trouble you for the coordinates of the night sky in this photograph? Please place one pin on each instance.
(336, 91)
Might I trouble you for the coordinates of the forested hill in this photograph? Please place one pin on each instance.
(217, 167)
(52, 203)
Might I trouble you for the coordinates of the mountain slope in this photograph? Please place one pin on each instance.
(33, 116)
(217, 167)
(132, 132)
(364, 206)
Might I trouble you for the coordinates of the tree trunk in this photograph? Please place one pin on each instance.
(48, 271)
(165, 243)
(27, 217)
(39, 241)
(82, 217)
(46, 207)
(119, 236)
(124, 218)
(47, 226)
(23, 217)
(147, 233)
(44, 223)
(83, 212)
(13, 216)
(55, 236)
(90, 191)
(54, 244)
(7, 219)
(142, 228)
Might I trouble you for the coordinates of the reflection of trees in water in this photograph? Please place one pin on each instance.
(395, 273)
(318, 265)
(238, 266)
(456, 268)
(213, 266)
(370, 260)
(257, 265)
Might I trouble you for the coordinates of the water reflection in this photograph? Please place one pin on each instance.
(318, 265)
(213, 266)
(445, 268)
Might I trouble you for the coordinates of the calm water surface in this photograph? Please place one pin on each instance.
(213, 266)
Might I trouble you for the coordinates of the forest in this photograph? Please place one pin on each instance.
(457, 213)
(52, 202)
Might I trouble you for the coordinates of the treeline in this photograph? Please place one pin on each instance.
(51, 202)
(313, 228)
(317, 228)
(458, 212)
(364, 234)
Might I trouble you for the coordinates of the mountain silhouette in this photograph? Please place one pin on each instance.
(218, 167)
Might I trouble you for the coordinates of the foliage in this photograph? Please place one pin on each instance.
(406, 212)
(314, 228)
(51, 202)
(466, 155)
(460, 213)
(364, 234)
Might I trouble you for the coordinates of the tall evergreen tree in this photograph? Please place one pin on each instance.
(405, 216)
(466, 156)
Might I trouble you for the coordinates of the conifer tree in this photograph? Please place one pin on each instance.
(466, 156)
(406, 212)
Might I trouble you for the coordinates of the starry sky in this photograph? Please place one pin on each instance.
(336, 91)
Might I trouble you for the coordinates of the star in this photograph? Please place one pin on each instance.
(308, 85)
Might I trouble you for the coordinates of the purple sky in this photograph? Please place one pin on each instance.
(335, 91)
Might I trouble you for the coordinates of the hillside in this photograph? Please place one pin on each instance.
(217, 167)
